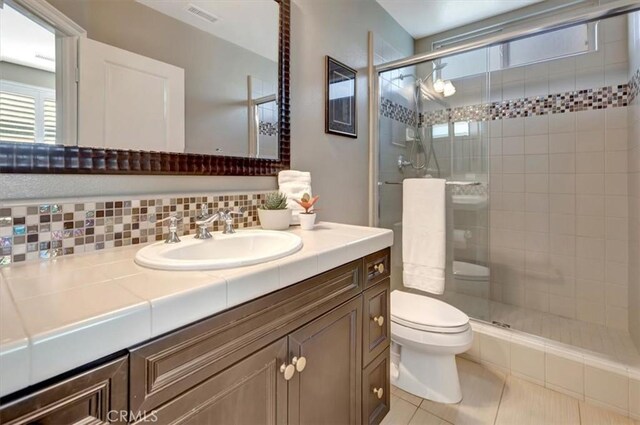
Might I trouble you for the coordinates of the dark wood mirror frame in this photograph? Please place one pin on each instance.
(40, 158)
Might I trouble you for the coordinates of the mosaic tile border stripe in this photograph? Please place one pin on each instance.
(397, 112)
(45, 231)
(634, 86)
(573, 101)
(266, 128)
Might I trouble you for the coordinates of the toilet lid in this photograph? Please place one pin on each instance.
(426, 313)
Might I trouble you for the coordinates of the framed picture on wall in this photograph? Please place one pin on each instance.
(340, 99)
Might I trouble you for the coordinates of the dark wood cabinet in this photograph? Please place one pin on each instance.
(253, 391)
(327, 391)
(376, 324)
(96, 396)
(376, 390)
(310, 353)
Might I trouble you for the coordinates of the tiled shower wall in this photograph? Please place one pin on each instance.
(46, 230)
(559, 190)
(634, 178)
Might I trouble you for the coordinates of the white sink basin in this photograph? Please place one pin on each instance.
(242, 248)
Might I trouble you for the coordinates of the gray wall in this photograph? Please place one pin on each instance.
(25, 75)
(339, 165)
(215, 70)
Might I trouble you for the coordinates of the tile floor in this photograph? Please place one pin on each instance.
(491, 397)
(613, 343)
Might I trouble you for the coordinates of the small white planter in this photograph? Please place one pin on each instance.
(275, 219)
(307, 221)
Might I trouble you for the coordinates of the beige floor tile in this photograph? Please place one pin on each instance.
(422, 417)
(593, 415)
(481, 392)
(524, 403)
(413, 399)
(401, 412)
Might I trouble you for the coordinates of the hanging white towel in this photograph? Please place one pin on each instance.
(424, 234)
(294, 184)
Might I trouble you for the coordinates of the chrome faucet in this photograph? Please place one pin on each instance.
(227, 216)
(204, 219)
(173, 228)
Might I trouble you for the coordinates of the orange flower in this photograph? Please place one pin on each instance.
(307, 202)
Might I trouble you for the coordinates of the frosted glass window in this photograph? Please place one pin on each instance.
(439, 131)
(461, 128)
(552, 45)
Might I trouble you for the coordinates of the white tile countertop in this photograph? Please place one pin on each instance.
(61, 314)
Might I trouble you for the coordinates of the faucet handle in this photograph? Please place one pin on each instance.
(229, 212)
(173, 227)
(172, 219)
(204, 211)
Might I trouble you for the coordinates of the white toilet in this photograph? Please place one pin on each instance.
(426, 335)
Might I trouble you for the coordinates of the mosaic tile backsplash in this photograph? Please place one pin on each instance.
(44, 231)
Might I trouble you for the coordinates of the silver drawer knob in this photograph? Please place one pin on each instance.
(379, 267)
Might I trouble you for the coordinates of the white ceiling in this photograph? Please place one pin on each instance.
(252, 24)
(25, 42)
(421, 18)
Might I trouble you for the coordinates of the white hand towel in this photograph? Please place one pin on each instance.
(424, 234)
(294, 184)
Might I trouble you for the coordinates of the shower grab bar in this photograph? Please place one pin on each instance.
(449, 183)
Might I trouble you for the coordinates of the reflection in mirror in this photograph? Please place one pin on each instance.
(27, 79)
(263, 118)
(166, 75)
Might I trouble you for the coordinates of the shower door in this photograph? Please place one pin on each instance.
(433, 123)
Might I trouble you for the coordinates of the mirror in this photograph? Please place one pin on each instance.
(175, 76)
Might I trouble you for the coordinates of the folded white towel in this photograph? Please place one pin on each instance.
(424, 234)
(294, 184)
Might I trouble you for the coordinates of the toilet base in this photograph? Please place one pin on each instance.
(430, 376)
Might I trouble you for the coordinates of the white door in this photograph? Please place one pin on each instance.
(128, 101)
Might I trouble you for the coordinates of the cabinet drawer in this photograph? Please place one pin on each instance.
(171, 365)
(377, 266)
(96, 396)
(376, 390)
(377, 321)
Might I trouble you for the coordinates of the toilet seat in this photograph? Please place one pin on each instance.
(471, 272)
(427, 314)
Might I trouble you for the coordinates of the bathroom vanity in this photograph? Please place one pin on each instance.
(314, 351)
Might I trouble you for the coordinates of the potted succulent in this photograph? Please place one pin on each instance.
(308, 217)
(274, 214)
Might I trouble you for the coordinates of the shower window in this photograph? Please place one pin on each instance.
(553, 45)
(439, 131)
(461, 128)
(572, 41)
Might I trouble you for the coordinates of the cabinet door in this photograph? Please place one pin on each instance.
(376, 321)
(328, 389)
(252, 391)
(376, 395)
(96, 396)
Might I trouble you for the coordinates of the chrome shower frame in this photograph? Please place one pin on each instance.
(538, 26)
